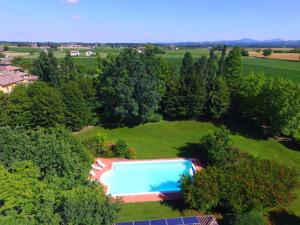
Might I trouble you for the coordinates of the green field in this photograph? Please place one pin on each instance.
(174, 139)
(271, 67)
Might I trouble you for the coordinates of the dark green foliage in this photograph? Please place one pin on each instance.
(186, 69)
(202, 186)
(54, 151)
(47, 107)
(68, 69)
(88, 205)
(24, 198)
(46, 67)
(18, 108)
(215, 148)
(120, 149)
(5, 48)
(250, 218)
(222, 61)
(27, 198)
(267, 52)
(218, 98)
(3, 109)
(128, 93)
(235, 181)
(233, 67)
(274, 103)
(244, 52)
(78, 113)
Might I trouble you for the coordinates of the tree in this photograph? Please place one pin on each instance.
(267, 52)
(45, 66)
(25, 198)
(222, 61)
(3, 109)
(5, 48)
(47, 107)
(233, 67)
(218, 98)
(18, 108)
(54, 151)
(186, 69)
(77, 113)
(215, 147)
(128, 93)
(68, 69)
(88, 205)
(244, 52)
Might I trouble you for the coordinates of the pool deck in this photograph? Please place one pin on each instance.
(139, 197)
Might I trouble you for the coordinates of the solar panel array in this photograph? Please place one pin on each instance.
(173, 221)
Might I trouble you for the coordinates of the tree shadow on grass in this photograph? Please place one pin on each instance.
(282, 217)
(244, 127)
(189, 150)
(178, 205)
(291, 144)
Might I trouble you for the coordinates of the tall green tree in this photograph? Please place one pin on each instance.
(3, 109)
(128, 93)
(218, 98)
(68, 68)
(77, 114)
(47, 107)
(18, 108)
(186, 69)
(233, 69)
(222, 61)
(46, 67)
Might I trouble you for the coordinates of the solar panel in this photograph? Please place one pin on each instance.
(174, 221)
(144, 222)
(126, 223)
(158, 222)
(190, 220)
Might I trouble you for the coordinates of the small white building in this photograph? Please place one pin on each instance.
(75, 53)
(90, 53)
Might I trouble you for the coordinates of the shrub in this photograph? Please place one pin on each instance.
(267, 52)
(244, 52)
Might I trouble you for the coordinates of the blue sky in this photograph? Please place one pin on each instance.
(148, 20)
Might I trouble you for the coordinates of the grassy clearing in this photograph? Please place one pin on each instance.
(153, 210)
(170, 139)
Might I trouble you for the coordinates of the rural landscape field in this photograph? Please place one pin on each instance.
(150, 112)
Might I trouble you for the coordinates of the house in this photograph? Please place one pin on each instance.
(75, 53)
(10, 76)
(9, 79)
(90, 53)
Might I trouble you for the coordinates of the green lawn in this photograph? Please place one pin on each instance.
(168, 139)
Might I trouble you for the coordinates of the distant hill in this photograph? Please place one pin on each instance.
(246, 42)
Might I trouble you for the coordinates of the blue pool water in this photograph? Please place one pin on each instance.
(140, 177)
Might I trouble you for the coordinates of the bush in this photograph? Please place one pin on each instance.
(244, 52)
(120, 149)
(267, 52)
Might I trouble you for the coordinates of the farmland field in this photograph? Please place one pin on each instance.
(271, 67)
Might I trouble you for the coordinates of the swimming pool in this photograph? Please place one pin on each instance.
(146, 177)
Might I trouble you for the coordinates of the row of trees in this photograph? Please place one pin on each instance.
(41, 105)
(43, 180)
(133, 88)
(236, 182)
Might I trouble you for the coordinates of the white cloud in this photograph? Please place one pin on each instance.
(76, 17)
(70, 1)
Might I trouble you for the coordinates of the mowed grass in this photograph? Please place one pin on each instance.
(168, 139)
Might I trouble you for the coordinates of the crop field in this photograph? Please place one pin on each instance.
(270, 67)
